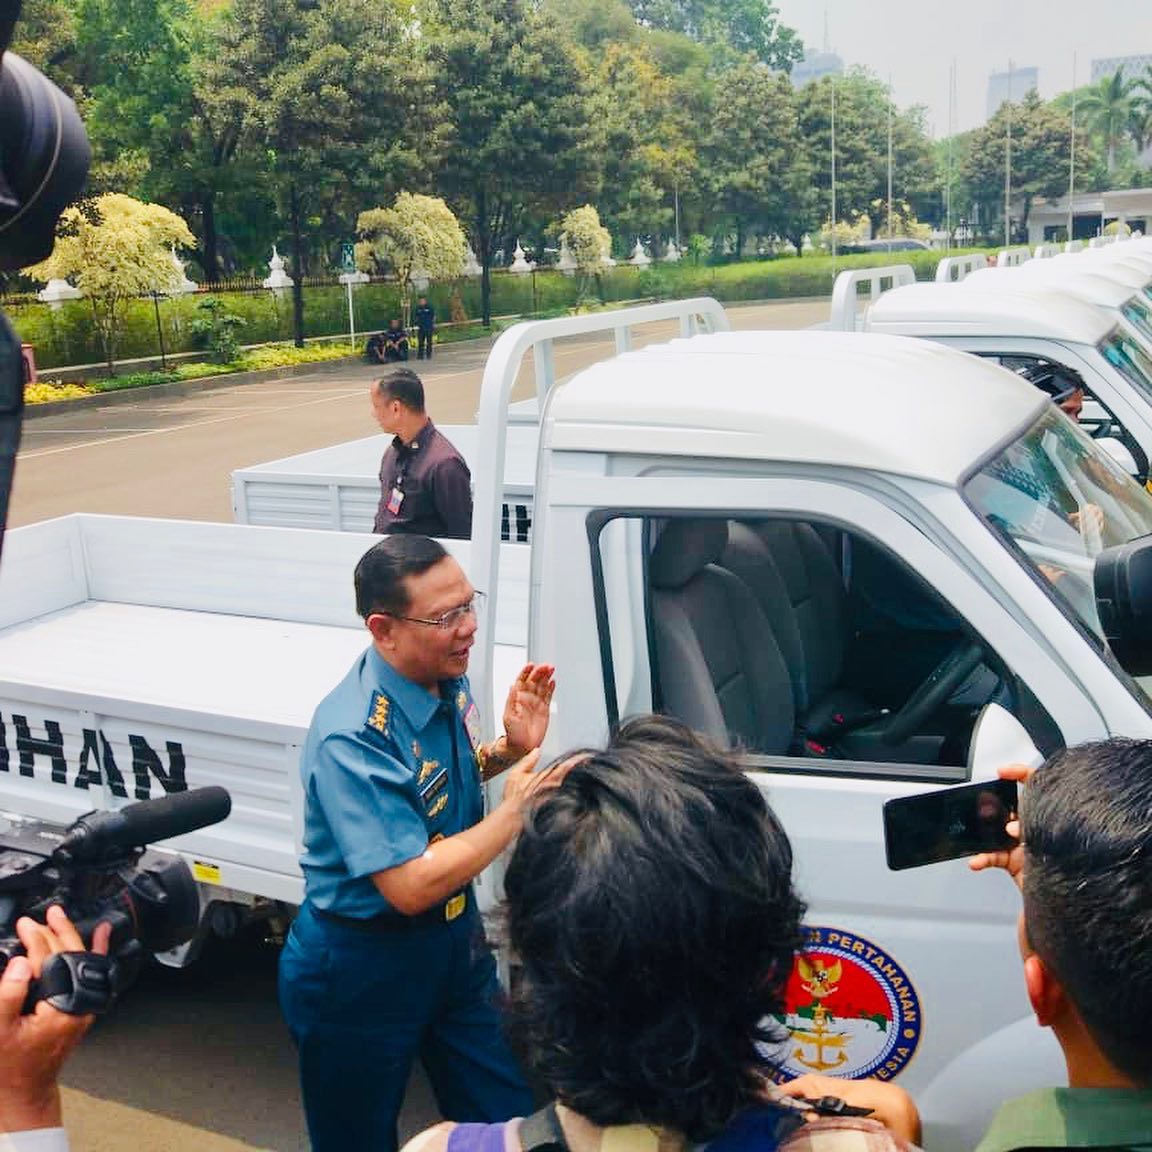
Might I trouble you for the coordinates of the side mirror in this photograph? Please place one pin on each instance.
(1122, 581)
(999, 739)
(1120, 453)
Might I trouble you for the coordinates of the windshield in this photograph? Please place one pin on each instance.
(1139, 315)
(1126, 355)
(1062, 500)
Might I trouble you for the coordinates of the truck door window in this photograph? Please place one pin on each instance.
(1095, 417)
(799, 640)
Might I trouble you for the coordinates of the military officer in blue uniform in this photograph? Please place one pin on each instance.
(386, 960)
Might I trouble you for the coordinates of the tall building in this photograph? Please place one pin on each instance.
(1012, 86)
(1133, 67)
(814, 65)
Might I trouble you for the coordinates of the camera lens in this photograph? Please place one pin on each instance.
(44, 157)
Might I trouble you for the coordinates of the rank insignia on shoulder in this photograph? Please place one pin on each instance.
(438, 806)
(426, 770)
(378, 713)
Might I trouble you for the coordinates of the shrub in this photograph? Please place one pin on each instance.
(45, 391)
(216, 330)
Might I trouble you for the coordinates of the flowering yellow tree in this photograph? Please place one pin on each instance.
(114, 249)
(417, 235)
(589, 242)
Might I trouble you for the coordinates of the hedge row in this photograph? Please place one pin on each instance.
(67, 336)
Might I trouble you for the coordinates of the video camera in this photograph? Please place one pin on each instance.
(97, 870)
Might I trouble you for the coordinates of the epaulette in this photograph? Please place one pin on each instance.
(378, 709)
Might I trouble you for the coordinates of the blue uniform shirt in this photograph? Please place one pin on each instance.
(387, 767)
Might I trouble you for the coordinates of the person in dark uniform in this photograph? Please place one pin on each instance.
(386, 960)
(425, 485)
(395, 342)
(425, 317)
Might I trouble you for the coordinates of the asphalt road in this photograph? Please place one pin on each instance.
(199, 1059)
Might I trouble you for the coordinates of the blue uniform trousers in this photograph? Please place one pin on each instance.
(362, 1003)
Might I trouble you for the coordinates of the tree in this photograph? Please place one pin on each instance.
(863, 112)
(1107, 109)
(521, 130)
(333, 95)
(1040, 143)
(745, 27)
(588, 241)
(46, 37)
(646, 152)
(115, 249)
(1140, 117)
(752, 160)
(418, 234)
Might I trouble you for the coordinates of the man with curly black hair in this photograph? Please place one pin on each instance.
(650, 902)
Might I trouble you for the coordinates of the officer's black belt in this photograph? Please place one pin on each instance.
(450, 909)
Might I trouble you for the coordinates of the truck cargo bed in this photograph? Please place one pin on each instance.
(139, 657)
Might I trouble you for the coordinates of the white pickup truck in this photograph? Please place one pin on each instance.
(868, 560)
(1019, 320)
(339, 487)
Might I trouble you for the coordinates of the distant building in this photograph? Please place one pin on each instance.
(1092, 212)
(1133, 67)
(814, 65)
(1012, 86)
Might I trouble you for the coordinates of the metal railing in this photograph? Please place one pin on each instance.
(702, 314)
(846, 294)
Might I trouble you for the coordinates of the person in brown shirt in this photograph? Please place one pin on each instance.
(425, 486)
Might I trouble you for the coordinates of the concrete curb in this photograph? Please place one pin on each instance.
(189, 387)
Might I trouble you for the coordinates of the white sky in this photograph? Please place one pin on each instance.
(915, 41)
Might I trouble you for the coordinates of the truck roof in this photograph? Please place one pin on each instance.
(960, 310)
(881, 403)
(1091, 284)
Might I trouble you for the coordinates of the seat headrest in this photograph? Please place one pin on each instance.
(686, 547)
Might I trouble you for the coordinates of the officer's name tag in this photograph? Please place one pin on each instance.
(472, 725)
(394, 501)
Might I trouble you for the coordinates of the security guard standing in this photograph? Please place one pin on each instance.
(425, 318)
(386, 960)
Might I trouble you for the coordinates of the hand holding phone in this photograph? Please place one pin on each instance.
(950, 823)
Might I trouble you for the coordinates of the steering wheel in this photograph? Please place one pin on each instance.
(933, 693)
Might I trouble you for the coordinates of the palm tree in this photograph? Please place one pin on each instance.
(1107, 108)
(1141, 126)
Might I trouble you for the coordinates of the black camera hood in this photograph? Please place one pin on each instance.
(44, 154)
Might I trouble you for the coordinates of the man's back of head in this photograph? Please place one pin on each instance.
(404, 385)
(1086, 822)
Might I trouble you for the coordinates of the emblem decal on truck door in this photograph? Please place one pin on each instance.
(850, 1010)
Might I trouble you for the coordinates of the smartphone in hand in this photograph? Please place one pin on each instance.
(949, 823)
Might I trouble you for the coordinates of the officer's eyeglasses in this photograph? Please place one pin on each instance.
(453, 618)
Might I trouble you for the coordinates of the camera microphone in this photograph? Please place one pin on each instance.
(102, 834)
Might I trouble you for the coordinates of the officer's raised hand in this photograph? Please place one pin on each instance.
(525, 719)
